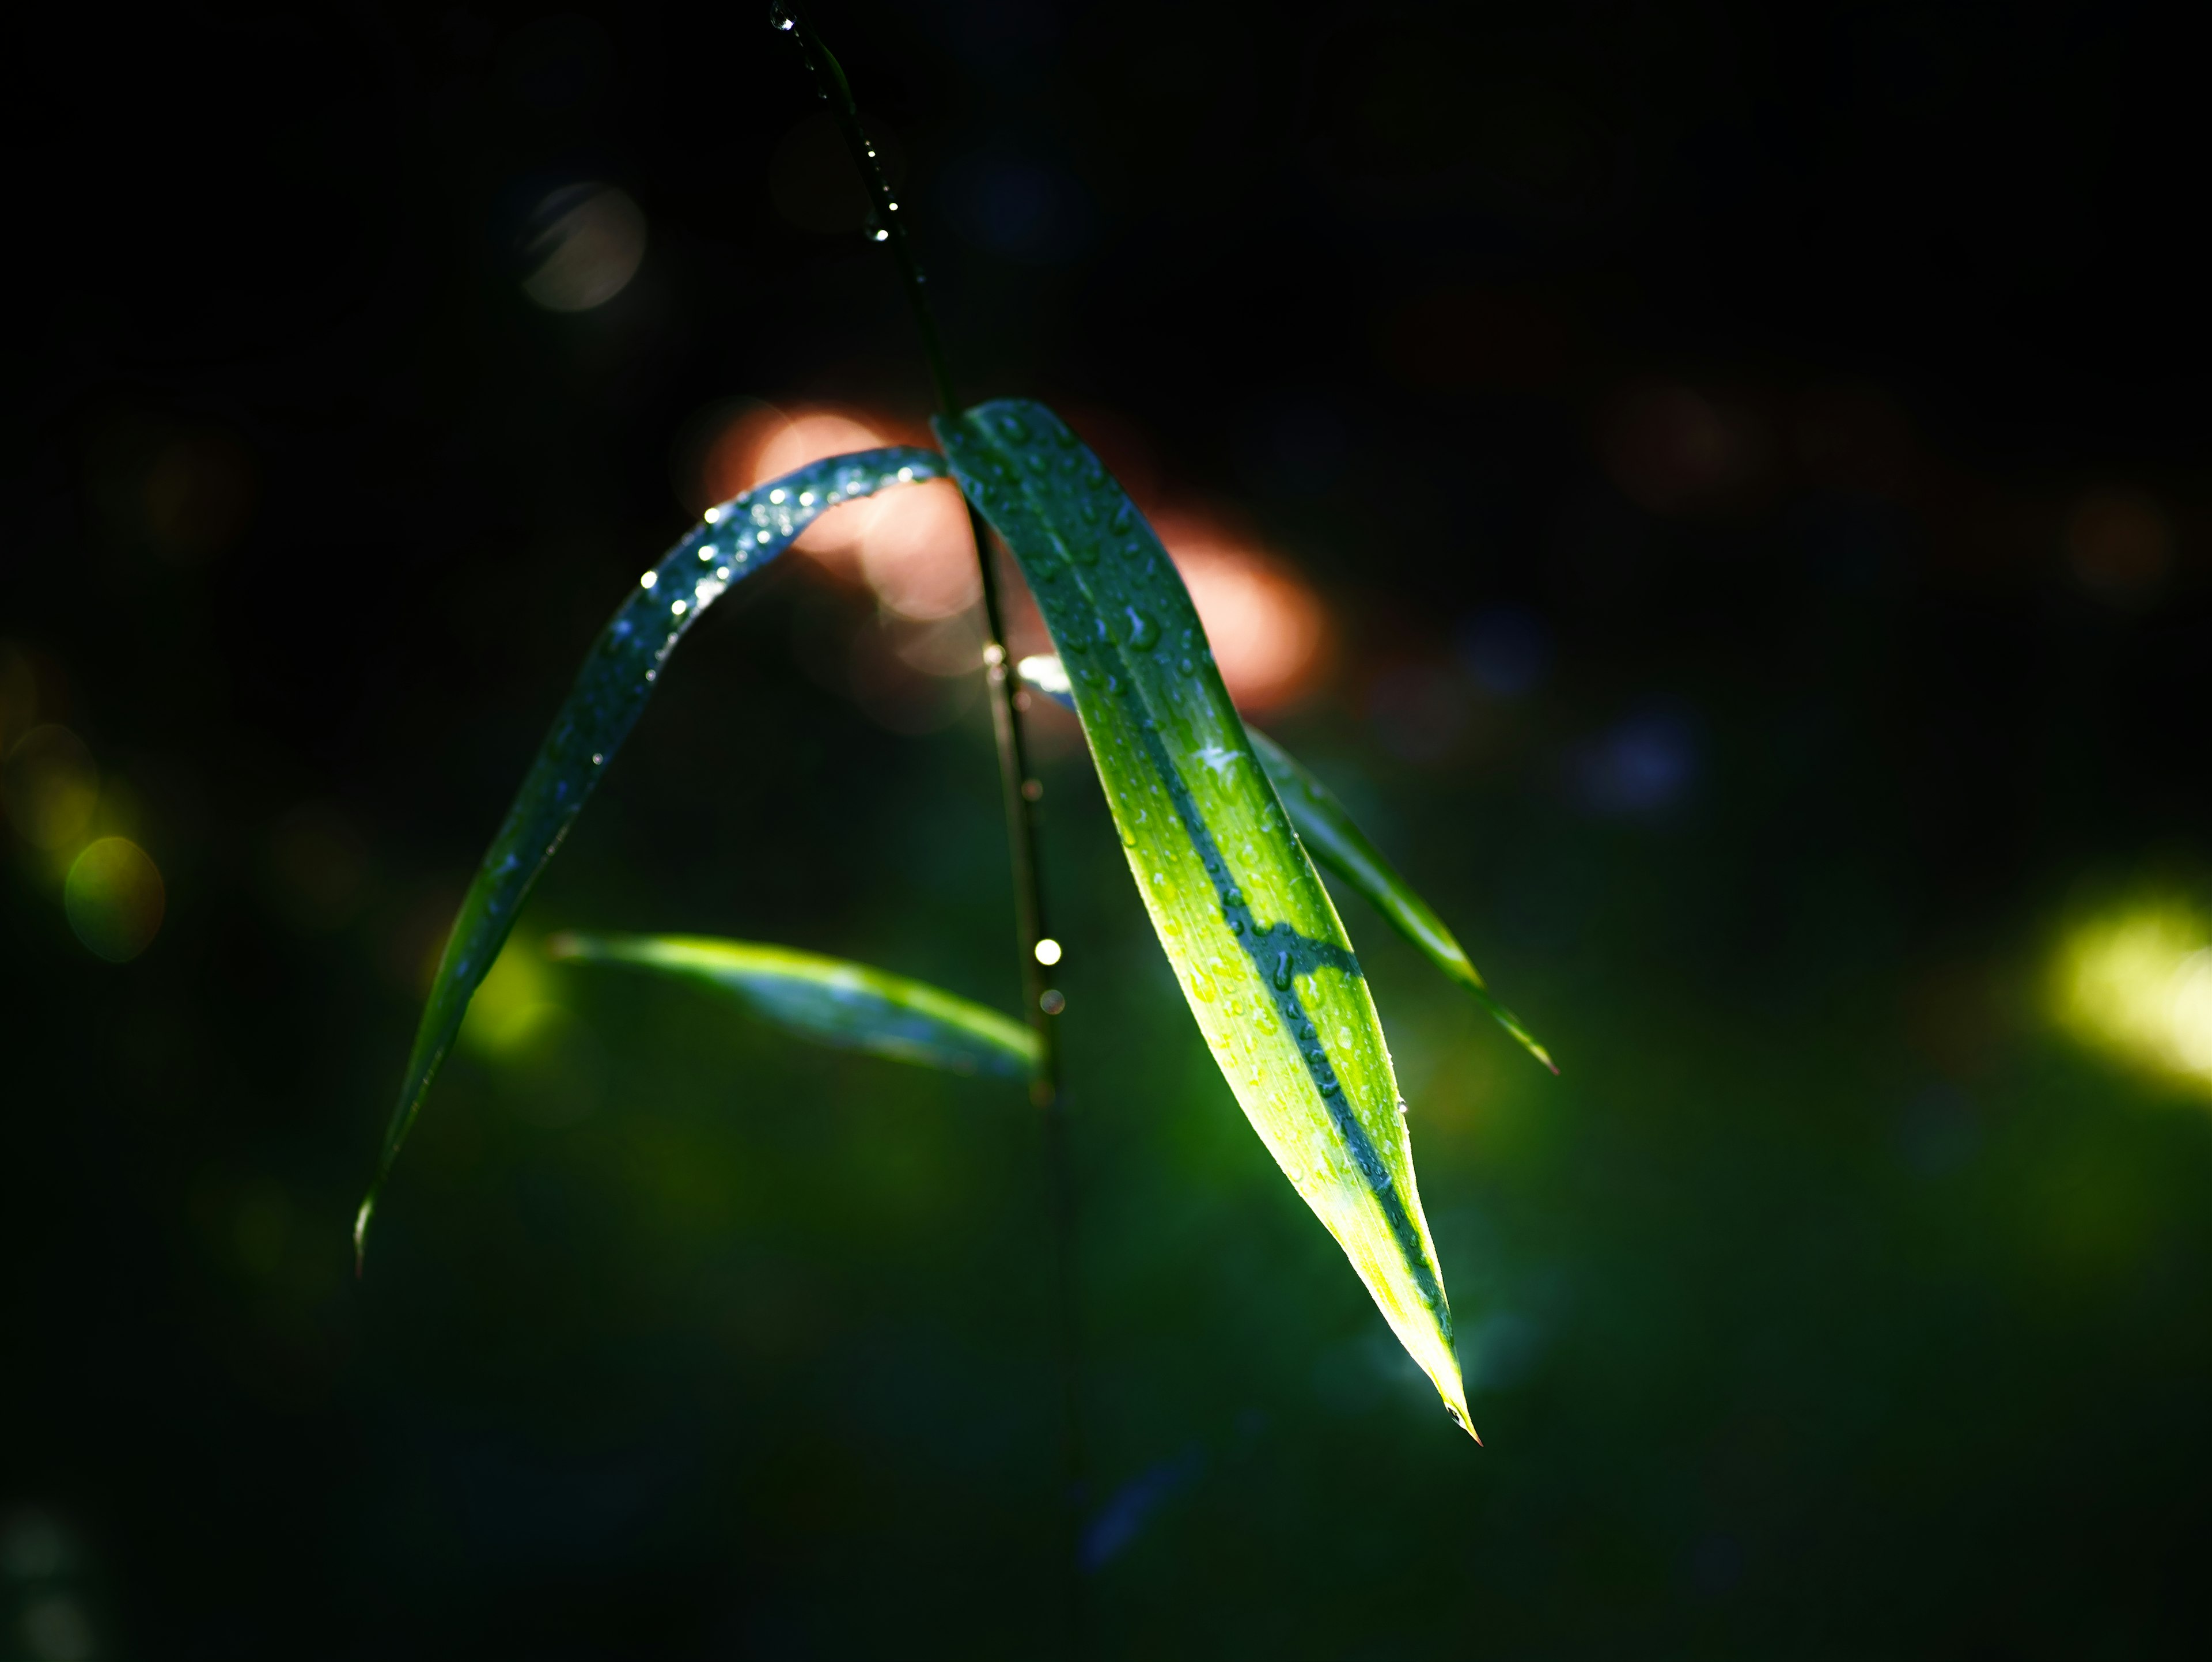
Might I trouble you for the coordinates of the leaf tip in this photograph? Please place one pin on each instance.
(1457, 1408)
(361, 1233)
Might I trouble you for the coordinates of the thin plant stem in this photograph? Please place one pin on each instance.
(1020, 793)
(888, 228)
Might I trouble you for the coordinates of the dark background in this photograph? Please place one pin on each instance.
(1774, 368)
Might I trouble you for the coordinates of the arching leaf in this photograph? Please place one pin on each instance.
(1337, 844)
(831, 1001)
(1253, 937)
(730, 543)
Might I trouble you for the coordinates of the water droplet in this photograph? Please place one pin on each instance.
(1050, 1001)
(678, 608)
(775, 496)
(648, 580)
(762, 537)
(1144, 633)
(713, 514)
(1282, 970)
(599, 758)
(705, 553)
(881, 235)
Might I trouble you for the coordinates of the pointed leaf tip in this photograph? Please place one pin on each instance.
(1253, 937)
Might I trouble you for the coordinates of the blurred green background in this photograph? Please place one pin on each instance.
(1752, 466)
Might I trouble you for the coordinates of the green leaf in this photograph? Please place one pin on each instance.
(830, 999)
(730, 543)
(1335, 841)
(1253, 937)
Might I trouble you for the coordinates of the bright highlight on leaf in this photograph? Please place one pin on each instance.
(831, 1001)
(1253, 937)
(730, 543)
(1338, 845)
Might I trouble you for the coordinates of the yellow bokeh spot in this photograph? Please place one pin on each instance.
(52, 787)
(514, 1005)
(2137, 983)
(115, 898)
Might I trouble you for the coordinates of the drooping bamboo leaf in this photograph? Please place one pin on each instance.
(1255, 941)
(730, 543)
(1337, 844)
(831, 1001)
(1335, 839)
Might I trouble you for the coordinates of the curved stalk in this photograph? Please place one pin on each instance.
(1019, 793)
(887, 227)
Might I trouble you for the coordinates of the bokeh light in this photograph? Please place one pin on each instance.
(52, 787)
(318, 867)
(1269, 632)
(1642, 765)
(1507, 649)
(115, 898)
(554, 1068)
(2136, 982)
(592, 244)
(514, 1004)
(2120, 544)
(199, 491)
(911, 547)
(1671, 448)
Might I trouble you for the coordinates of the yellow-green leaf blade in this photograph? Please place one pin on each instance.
(1334, 839)
(831, 1001)
(1254, 939)
(730, 543)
